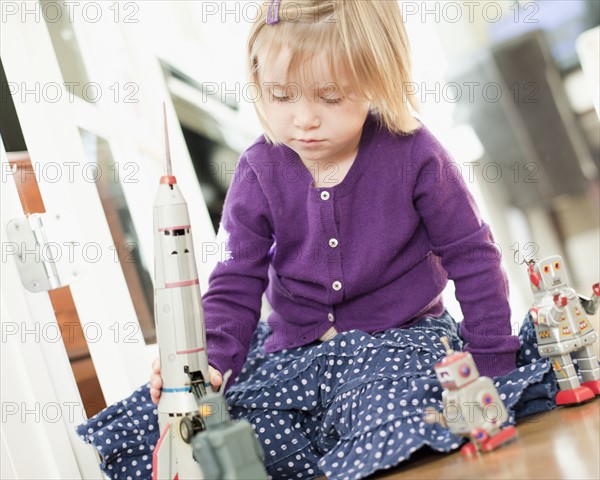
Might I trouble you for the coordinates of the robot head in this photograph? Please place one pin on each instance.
(548, 274)
(456, 369)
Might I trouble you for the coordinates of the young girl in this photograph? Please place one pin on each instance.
(343, 212)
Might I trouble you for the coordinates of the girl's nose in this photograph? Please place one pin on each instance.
(305, 117)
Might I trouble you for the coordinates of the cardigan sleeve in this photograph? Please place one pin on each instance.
(232, 303)
(465, 246)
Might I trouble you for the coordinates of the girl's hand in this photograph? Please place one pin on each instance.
(216, 379)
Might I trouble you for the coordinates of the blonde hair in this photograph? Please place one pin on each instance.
(364, 39)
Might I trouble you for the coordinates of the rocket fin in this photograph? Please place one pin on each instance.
(162, 457)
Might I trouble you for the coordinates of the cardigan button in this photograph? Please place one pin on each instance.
(333, 242)
(337, 285)
(330, 317)
(324, 195)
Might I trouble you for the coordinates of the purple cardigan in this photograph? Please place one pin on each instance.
(371, 253)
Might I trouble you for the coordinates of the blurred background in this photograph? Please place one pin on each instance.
(509, 87)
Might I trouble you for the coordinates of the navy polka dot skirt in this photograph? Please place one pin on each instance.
(124, 435)
(344, 408)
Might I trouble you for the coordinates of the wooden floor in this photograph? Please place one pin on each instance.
(561, 444)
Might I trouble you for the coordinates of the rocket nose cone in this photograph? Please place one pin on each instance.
(168, 179)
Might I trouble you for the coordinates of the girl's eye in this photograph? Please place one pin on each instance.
(332, 101)
(280, 99)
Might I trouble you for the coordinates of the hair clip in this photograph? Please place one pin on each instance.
(273, 12)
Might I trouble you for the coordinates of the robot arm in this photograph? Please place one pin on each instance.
(548, 317)
(551, 316)
(558, 309)
(434, 416)
(590, 305)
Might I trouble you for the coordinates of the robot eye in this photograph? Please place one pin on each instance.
(556, 265)
(546, 269)
(465, 371)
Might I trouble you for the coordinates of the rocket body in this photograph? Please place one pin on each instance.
(180, 332)
(187, 404)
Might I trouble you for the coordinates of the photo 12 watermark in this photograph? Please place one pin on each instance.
(470, 11)
(71, 172)
(69, 332)
(72, 252)
(70, 11)
(249, 11)
(54, 92)
(473, 92)
(73, 413)
(470, 172)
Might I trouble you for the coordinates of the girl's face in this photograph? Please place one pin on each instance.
(310, 115)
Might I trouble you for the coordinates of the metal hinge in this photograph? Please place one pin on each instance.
(40, 244)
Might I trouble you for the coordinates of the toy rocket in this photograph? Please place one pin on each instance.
(179, 330)
(187, 404)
